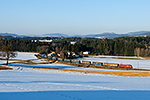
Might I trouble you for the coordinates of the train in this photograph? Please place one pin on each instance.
(115, 65)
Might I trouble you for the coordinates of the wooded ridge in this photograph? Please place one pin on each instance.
(125, 46)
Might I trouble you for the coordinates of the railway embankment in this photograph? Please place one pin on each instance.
(99, 67)
(131, 72)
(5, 68)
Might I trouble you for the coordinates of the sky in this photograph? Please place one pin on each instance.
(74, 17)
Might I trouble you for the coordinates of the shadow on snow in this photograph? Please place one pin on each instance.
(77, 95)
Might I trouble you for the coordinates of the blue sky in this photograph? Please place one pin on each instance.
(36, 17)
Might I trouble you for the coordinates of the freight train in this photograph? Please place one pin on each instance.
(115, 65)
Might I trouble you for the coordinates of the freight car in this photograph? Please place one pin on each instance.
(110, 65)
(75, 61)
(97, 63)
(86, 62)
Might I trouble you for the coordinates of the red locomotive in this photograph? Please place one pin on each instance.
(125, 66)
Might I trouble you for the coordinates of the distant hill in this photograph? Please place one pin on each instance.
(147, 34)
(8, 34)
(11, 34)
(139, 33)
(102, 35)
(55, 35)
(114, 35)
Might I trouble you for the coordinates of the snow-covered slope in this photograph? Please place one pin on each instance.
(29, 84)
(37, 84)
(25, 56)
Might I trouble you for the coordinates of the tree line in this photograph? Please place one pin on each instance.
(124, 46)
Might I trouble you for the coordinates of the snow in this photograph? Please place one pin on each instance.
(62, 66)
(29, 84)
(24, 83)
(107, 56)
(25, 55)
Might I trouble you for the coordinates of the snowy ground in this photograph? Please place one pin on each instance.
(29, 84)
(37, 84)
(145, 64)
(25, 56)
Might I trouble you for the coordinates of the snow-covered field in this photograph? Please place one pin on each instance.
(25, 56)
(38, 84)
(29, 84)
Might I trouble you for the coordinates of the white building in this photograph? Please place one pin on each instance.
(86, 52)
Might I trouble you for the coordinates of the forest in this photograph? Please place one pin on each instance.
(123, 46)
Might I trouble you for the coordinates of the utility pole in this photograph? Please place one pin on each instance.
(138, 65)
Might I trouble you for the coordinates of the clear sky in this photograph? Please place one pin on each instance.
(74, 16)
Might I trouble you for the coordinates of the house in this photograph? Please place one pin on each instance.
(86, 52)
(73, 42)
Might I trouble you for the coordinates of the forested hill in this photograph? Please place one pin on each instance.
(142, 40)
(127, 46)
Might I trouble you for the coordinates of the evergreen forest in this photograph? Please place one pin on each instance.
(123, 46)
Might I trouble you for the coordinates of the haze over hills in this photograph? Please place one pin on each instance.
(55, 35)
(138, 33)
(12, 34)
(9, 34)
(102, 35)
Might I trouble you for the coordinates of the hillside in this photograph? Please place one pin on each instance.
(101, 35)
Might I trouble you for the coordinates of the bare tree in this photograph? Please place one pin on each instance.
(62, 54)
(7, 53)
(137, 52)
(1, 44)
(42, 48)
